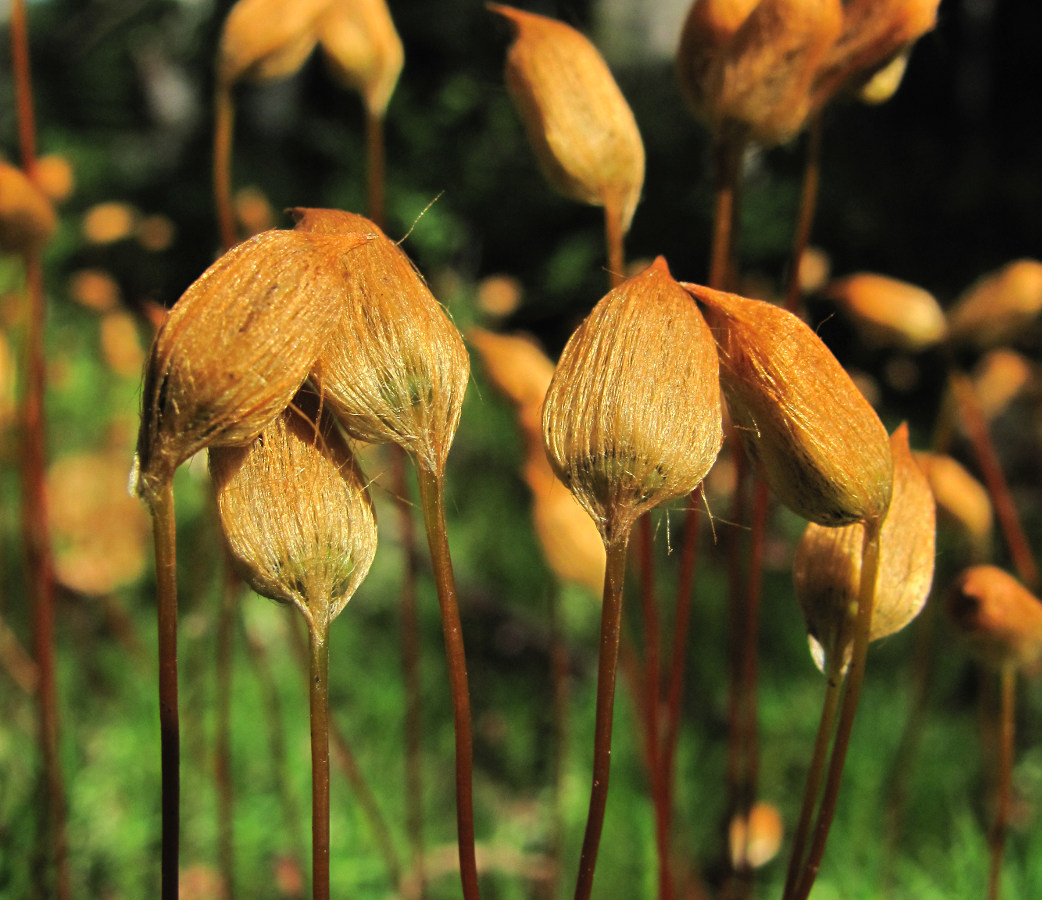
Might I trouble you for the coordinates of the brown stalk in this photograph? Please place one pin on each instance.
(841, 743)
(812, 790)
(613, 237)
(997, 838)
(661, 795)
(375, 165)
(224, 119)
(746, 669)
(652, 678)
(347, 762)
(318, 696)
(994, 478)
(681, 624)
(437, 538)
(163, 526)
(35, 529)
(729, 149)
(410, 630)
(808, 203)
(611, 621)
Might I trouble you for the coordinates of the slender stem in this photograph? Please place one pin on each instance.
(808, 202)
(737, 591)
(410, 630)
(169, 726)
(681, 625)
(375, 166)
(318, 695)
(611, 622)
(23, 87)
(1004, 795)
(347, 762)
(748, 673)
(653, 708)
(994, 478)
(814, 776)
(729, 149)
(224, 119)
(35, 526)
(223, 738)
(613, 237)
(855, 678)
(438, 541)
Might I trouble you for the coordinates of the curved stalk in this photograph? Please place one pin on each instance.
(611, 621)
(35, 528)
(729, 149)
(318, 695)
(1004, 793)
(375, 166)
(613, 238)
(410, 630)
(224, 118)
(855, 679)
(805, 220)
(438, 541)
(814, 775)
(347, 763)
(994, 478)
(163, 528)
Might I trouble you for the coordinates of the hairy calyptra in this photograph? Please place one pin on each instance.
(396, 368)
(296, 512)
(633, 416)
(579, 124)
(238, 345)
(812, 435)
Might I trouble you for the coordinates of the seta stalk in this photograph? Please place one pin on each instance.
(611, 622)
(437, 538)
(318, 697)
(841, 743)
(163, 528)
(224, 119)
(35, 528)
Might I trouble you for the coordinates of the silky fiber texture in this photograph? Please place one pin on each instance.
(580, 126)
(238, 345)
(633, 415)
(297, 514)
(814, 438)
(396, 369)
(827, 566)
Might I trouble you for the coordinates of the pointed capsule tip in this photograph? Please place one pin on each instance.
(660, 265)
